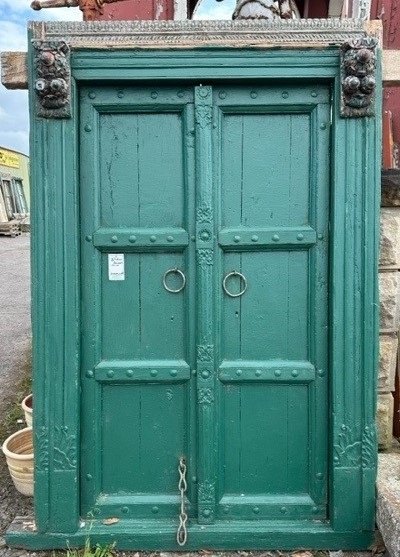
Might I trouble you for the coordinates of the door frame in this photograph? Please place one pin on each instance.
(355, 193)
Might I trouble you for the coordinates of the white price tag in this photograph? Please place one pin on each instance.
(116, 266)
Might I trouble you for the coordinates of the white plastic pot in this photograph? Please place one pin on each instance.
(18, 450)
(27, 405)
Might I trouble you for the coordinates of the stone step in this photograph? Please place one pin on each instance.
(388, 503)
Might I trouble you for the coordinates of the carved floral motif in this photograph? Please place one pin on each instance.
(203, 115)
(205, 396)
(347, 449)
(41, 449)
(205, 257)
(369, 447)
(205, 352)
(206, 492)
(64, 449)
(53, 80)
(204, 214)
(358, 64)
(350, 451)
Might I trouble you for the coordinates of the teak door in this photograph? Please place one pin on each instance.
(205, 233)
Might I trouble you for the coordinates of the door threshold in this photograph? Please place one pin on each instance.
(160, 535)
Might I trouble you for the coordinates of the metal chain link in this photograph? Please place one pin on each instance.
(181, 535)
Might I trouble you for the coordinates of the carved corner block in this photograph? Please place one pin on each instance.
(52, 79)
(358, 67)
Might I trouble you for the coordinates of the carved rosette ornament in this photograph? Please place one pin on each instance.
(53, 79)
(358, 65)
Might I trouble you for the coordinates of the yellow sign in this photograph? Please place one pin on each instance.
(7, 158)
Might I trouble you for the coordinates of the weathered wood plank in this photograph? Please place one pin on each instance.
(14, 70)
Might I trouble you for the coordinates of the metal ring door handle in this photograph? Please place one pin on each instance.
(243, 280)
(178, 272)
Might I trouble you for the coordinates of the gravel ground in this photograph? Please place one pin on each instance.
(15, 338)
(15, 328)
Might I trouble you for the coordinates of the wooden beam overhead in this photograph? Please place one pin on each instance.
(14, 70)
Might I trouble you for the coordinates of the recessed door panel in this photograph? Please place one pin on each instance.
(138, 441)
(141, 169)
(271, 320)
(250, 412)
(266, 162)
(132, 323)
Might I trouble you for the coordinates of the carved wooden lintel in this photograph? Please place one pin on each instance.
(259, 33)
(52, 79)
(358, 66)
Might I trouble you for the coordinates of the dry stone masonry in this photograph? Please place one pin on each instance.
(389, 290)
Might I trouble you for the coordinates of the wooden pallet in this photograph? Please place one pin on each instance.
(11, 228)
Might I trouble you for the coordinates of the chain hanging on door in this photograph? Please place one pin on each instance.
(181, 535)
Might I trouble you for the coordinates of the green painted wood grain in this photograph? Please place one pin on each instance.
(275, 173)
(135, 186)
(352, 304)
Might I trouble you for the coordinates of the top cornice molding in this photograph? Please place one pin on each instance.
(305, 33)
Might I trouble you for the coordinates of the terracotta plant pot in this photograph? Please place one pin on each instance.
(18, 450)
(27, 407)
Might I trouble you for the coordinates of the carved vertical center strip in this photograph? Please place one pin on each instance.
(205, 305)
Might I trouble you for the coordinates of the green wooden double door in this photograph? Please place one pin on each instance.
(204, 273)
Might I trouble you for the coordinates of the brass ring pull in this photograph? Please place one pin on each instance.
(178, 272)
(243, 280)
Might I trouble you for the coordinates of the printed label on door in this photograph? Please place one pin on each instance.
(116, 266)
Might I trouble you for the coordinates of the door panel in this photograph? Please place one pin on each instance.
(158, 435)
(138, 299)
(142, 170)
(209, 181)
(270, 321)
(138, 338)
(274, 200)
(256, 408)
(266, 162)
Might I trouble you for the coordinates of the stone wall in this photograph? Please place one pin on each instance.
(389, 291)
